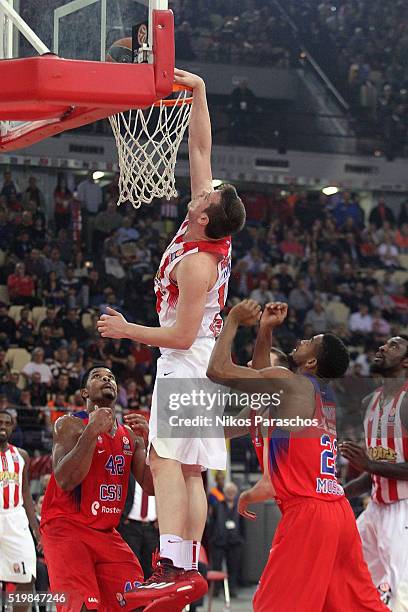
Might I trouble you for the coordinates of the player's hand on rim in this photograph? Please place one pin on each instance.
(112, 324)
(243, 504)
(246, 313)
(182, 77)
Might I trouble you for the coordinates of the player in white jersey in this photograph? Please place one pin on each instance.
(17, 513)
(191, 287)
(384, 524)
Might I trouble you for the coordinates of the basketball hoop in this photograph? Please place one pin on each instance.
(148, 141)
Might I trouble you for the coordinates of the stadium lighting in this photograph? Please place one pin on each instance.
(217, 183)
(98, 174)
(330, 190)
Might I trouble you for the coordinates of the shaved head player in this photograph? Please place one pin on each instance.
(191, 287)
(92, 458)
(384, 464)
(316, 561)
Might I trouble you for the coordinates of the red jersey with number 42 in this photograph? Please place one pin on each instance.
(167, 291)
(303, 463)
(99, 500)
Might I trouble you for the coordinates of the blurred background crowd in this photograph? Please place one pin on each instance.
(362, 46)
(339, 267)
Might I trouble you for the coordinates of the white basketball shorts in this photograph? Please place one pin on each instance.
(384, 533)
(17, 551)
(189, 369)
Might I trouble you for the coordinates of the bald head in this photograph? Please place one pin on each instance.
(230, 491)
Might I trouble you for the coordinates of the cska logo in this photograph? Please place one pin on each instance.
(126, 446)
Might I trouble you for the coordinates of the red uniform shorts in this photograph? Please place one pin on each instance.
(316, 562)
(91, 567)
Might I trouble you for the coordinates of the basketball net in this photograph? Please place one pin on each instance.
(148, 141)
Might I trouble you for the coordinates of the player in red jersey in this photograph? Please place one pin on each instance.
(316, 561)
(191, 287)
(92, 456)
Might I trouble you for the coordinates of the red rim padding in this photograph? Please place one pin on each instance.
(54, 95)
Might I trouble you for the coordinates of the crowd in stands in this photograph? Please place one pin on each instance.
(337, 267)
(363, 47)
(243, 32)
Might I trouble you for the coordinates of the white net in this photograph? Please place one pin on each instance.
(148, 141)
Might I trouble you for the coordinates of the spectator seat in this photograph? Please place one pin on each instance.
(4, 294)
(400, 276)
(291, 270)
(38, 314)
(338, 312)
(403, 259)
(14, 312)
(17, 358)
(87, 320)
(379, 275)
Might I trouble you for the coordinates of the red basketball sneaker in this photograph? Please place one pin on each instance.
(173, 586)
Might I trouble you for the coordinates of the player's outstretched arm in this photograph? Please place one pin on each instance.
(74, 446)
(139, 431)
(223, 370)
(260, 492)
(273, 316)
(194, 278)
(200, 139)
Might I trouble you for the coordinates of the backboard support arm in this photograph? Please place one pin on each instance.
(73, 7)
(10, 17)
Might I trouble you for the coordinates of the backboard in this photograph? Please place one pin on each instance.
(76, 29)
(54, 70)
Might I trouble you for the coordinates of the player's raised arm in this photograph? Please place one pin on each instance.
(273, 316)
(139, 431)
(223, 370)
(194, 278)
(200, 139)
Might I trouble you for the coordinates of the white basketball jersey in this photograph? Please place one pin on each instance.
(11, 479)
(167, 291)
(387, 440)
